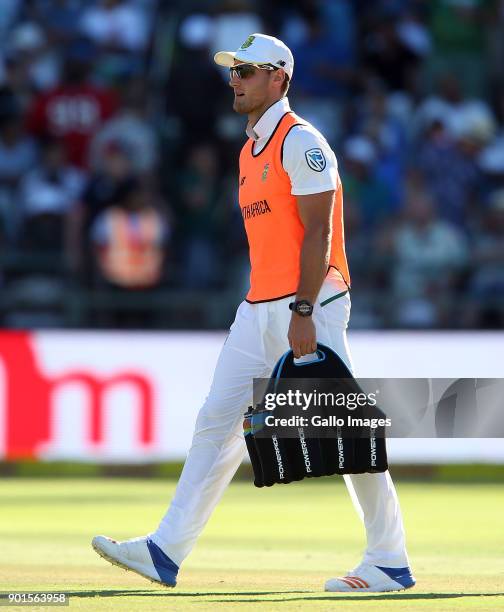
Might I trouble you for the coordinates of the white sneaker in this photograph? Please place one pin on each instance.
(372, 579)
(140, 555)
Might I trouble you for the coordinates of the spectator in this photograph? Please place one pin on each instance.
(386, 131)
(18, 155)
(121, 31)
(116, 25)
(8, 15)
(183, 94)
(429, 255)
(200, 217)
(366, 267)
(17, 150)
(234, 21)
(495, 39)
(458, 28)
(15, 77)
(491, 158)
(325, 74)
(47, 194)
(413, 33)
(130, 238)
(449, 163)
(444, 172)
(102, 190)
(60, 19)
(324, 63)
(337, 17)
(132, 128)
(28, 46)
(486, 285)
(363, 188)
(75, 109)
(449, 104)
(390, 55)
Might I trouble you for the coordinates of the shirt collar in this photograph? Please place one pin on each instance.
(268, 120)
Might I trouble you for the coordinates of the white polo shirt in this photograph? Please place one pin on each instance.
(300, 140)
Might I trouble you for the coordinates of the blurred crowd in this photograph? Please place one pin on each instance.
(119, 150)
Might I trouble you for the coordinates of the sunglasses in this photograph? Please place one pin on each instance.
(245, 71)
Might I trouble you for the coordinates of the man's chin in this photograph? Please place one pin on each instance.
(239, 107)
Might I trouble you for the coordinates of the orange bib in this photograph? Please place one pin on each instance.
(132, 259)
(274, 229)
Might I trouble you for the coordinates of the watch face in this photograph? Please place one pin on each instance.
(304, 309)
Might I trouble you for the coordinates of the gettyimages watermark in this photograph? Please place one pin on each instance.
(370, 407)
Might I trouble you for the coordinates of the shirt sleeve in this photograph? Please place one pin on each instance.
(309, 161)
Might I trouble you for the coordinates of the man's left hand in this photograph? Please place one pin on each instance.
(302, 335)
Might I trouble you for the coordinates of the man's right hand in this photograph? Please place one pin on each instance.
(302, 335)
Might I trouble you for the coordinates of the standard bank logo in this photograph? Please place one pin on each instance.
(315, 159)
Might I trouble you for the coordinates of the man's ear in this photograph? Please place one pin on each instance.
(279, 76)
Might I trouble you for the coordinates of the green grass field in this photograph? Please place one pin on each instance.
(262, 550)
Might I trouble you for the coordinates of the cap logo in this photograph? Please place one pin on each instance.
(248, 42)
(281, 63)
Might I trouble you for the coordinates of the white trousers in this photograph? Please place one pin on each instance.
(257, 339)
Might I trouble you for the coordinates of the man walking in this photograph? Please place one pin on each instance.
(292, 206)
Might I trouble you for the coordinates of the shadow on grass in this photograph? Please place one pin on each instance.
(167, 592)
(256, 596)
(370, 597)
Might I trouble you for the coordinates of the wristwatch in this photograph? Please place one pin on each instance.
(303, 308)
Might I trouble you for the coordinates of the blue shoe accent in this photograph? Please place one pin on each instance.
(165, 567)
(402, 575)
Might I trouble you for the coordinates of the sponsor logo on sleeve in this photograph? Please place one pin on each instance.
(315, 159)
